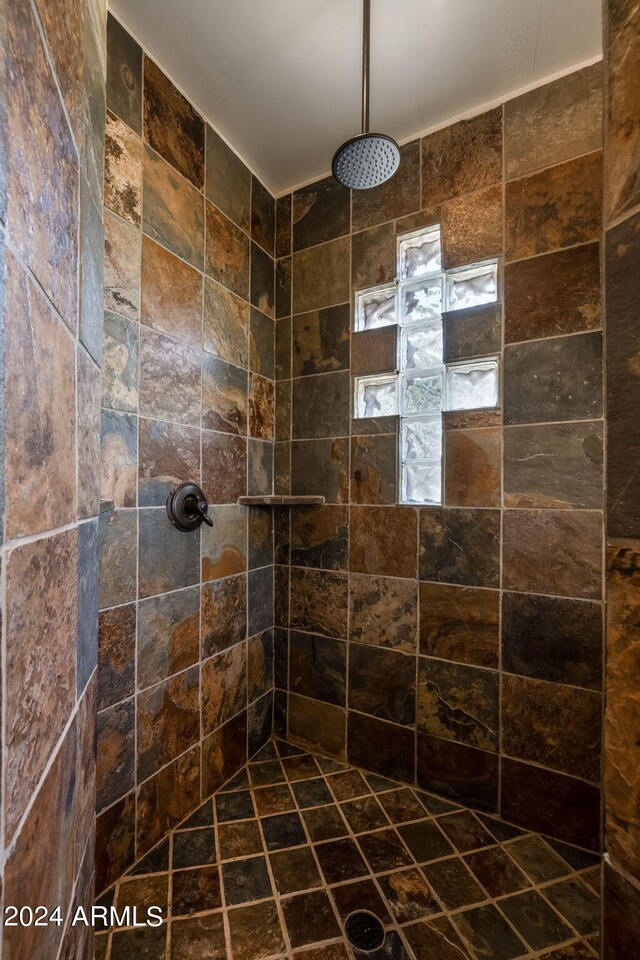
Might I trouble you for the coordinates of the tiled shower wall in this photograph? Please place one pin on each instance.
(459, 646)
(51, 238)
(185, 645)
(622, 289)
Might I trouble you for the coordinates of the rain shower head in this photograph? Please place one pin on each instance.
(369, 159)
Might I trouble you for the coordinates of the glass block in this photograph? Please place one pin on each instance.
(419, 254)
(422, 348)
(376, 396)
(422, 301)
(472, 385)
(472, 286)
(422, 482)
(375, 307)
(422, 394)
(422, 439)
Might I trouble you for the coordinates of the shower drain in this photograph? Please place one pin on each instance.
(364, 931)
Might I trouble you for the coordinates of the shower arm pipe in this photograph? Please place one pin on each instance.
(366, 53)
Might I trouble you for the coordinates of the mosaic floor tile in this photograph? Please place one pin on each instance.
(276, 862)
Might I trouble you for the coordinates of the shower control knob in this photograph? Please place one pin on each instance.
(187, 507)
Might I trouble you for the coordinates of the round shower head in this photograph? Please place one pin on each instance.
(366, 161)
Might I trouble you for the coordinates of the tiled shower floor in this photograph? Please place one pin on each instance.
(275, 862)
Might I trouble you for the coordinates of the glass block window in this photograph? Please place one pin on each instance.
(424, 386)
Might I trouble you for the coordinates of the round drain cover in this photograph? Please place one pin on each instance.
(364, 931)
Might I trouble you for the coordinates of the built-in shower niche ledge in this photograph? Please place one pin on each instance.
(280, 501)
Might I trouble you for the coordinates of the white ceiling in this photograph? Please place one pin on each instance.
(280, 79)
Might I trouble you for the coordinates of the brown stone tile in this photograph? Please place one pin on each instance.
(462, 157)
(382, 541)
(167, 453)
(118, 552)
(274, 799)
(255, 931)
(454, 884)
(226, 324)
(115, 841)
(401, 805)
(224, 396)
(171, 298)
(468, 419)
(572, 103)
(472, 227)
(622, 130)
(396, 197)
(384, 850)
(460, 546)
(169, 379)
(263, 215)
(120, 364)
(373, 469)
(118, 458)
(283, 225)
(239, 839)
(553, 551)
(224, 617)
(260, 472)
(458, 771)
(124, 75)
(620, 782)
(224, 467)
(365, 814)
(537, 859)
(496, 871)
(261, 536)
(382, 683)
(324, 823)
(224, 752)
(202, 937)
(385, 748)
(568, 469)
(623, 443)
(373, 256)
(294, 870)
(171, 125)
(340, 860)
(262, 286)
(168, 721)
(168, 635)
(374, 351)
(437, 937)
(321, 212)
(472, 331)
(143, 892)
(40, 474)
(321, 341)
(538, 799)
(621, 915)
(261, 344)
(88, 405)
(246, 880)
(148, 942)
(173, 211)
(228, 181)
(321, 406)
(319, 537)
(408, 895)
(310, 918)
(261, 407)
(283, 415)
(318, 725)
(227, 253)
(319, 602)
(487, 930)
(383, 612)
(37, 873)
(459, 623)
(259, 665)
(558, 207)
(473, 467)
(167, 558)
(558, 379)
(458, 702)
(116, 655)
(115, 746)
(40, 153)
(224, 687)
(121, 272)
(321, 467)
(321, 276)
(41, 588)
(122, 170)
(577, 904)
(554, 294)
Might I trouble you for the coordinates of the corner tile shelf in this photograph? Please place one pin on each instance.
(279, 501)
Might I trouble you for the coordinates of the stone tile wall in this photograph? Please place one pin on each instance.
(621, 890)
(52, 86)
(459, 647)
(185, 646)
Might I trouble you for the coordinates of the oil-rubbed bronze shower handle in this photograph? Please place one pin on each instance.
(187, 507)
